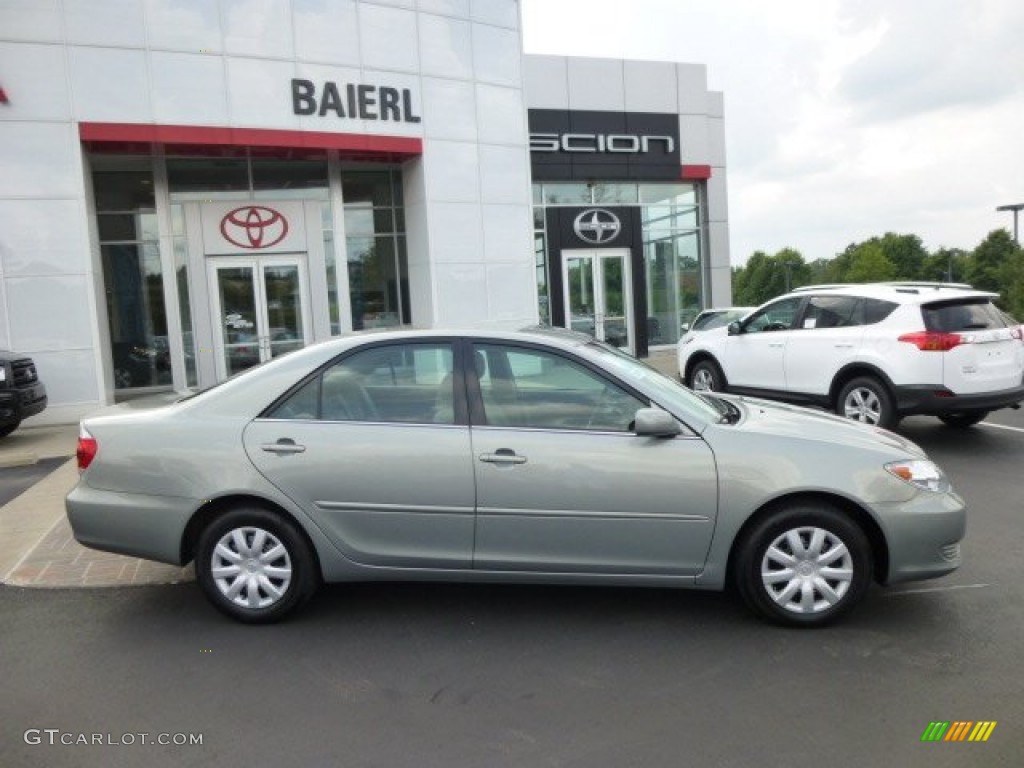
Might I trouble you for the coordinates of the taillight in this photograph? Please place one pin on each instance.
(932, 341)
(87, 449)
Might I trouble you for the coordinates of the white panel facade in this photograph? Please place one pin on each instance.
(188, 89)
(191, 26)
(596, 84)
(546, 80)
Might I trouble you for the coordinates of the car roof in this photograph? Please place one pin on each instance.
(908, 292)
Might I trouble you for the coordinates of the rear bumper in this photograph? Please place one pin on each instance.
(149, 527)
(936, 399)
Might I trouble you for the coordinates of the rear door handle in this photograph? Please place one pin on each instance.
(502, 456)
(284, 445)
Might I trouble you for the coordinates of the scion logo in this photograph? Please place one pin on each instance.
(597, 226)
(254, 227)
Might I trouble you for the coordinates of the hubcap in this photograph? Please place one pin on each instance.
(807, 570)
(863, 405)
(703, 380)
(251, 567)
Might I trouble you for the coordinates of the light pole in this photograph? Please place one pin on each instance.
(1016, 208)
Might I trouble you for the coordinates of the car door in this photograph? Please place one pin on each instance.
(376, 449)
(755, 357)
(829, 334)
(564, 486)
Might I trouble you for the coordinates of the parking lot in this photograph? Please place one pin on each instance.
(423, 675)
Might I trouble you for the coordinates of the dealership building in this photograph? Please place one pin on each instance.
(191, 187)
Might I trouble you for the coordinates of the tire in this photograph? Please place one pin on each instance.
(831, 573)
(255, 566)
(707, 376)
(6, 429)
(867, 400)
(962, 420)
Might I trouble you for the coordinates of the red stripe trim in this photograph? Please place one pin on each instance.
(247, 137)
(695, 172)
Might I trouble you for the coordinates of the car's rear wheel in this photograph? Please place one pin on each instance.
(254, 565)
(964, 419)
(867, 400)
(707, 376)
(803, 565)
(6, 429)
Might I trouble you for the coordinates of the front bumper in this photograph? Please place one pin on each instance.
(923, 535)
(18, 404)
(935, 399)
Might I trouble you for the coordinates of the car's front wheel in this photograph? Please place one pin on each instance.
(6, 429)
(962, 420)
(803, 565)
(707, 376)
(254, 565)
(867, 400)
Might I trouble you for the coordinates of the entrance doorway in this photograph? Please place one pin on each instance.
(259, 309)
(598, 294)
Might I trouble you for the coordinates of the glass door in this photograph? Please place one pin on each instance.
(260, 310)
(598, 298)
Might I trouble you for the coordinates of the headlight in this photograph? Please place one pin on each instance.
(3, 373)
(924, 474)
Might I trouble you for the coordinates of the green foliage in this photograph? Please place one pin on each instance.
(996, 264)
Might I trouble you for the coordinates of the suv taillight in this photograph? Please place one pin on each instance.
(932, 341)
(87, 449)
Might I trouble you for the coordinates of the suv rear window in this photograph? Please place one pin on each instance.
(961, 315)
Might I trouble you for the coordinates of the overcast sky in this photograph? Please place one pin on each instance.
(844, 119)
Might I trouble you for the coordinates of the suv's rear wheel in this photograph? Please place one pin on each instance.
(964, 419)
(866, 399)
(706, 376)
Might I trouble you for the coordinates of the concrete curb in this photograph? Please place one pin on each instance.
(19, 459)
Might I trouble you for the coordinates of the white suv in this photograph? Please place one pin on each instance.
(873, 352)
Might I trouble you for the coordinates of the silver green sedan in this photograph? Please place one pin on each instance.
(539, 456)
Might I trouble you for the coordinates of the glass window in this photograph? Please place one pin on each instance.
(375, 249)
(398, 383)
(668, 194)
(956, 316)
(876, 310)
(532, 389)
(223, 178)
(123, 190)
(613, 194)
(567, 194)
(777, 316)
(276, 179)
(674, 287)
(133, 276)
(832, 312)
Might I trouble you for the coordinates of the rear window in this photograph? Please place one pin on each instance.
(956, 316)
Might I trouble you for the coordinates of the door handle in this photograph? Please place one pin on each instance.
(282, 446)
(502, 456)
(776, 345)
(844, 346)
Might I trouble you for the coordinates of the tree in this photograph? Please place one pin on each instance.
(868, 264)
(985, 268)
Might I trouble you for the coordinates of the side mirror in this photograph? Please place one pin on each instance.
(684, 327)
(654, 422)
(734, 328)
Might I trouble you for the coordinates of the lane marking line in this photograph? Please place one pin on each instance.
(936, 589)
(1000, 426)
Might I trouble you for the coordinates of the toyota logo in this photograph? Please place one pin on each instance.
(253, 227)
(597, 226)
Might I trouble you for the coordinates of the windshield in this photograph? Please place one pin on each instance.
(666, 391)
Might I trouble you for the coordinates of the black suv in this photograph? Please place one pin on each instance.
(22, 394)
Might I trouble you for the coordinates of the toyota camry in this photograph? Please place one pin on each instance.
(539, 456)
